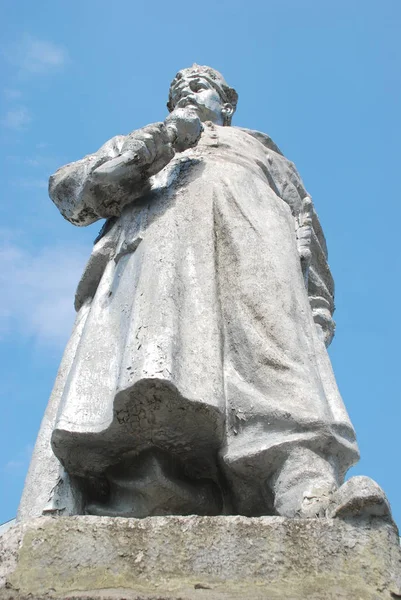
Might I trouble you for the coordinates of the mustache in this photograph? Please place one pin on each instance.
(186, 101)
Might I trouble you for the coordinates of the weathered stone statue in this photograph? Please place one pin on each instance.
(196, 379)
(196, 388)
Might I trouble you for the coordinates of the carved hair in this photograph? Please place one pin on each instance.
(215, 78)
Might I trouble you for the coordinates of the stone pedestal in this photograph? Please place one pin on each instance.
(187, 558)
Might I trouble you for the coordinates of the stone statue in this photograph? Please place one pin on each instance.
(196, 379)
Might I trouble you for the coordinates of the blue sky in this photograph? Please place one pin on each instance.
(321, 78)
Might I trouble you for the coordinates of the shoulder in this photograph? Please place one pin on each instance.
(263, 138)
(281, 169)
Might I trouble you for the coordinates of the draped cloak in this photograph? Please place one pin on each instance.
(196, 332)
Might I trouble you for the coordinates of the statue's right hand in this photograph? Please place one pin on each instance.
(144, 153)
(155, 150)
(149, 144)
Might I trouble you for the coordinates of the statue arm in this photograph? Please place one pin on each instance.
(286, 182)
(320, 283)
(313, 255)
(99, 185)
(68, 187)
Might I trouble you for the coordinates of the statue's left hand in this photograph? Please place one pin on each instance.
(304, 235)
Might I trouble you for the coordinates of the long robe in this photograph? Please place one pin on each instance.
(197, 335)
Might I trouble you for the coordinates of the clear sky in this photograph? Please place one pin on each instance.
(321, 78)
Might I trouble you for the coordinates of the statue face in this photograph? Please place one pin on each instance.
(196, 92)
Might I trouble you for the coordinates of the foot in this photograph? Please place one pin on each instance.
(359, 496)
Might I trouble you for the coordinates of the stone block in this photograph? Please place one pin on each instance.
(200, 558)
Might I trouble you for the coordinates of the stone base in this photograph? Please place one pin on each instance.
(187, 558)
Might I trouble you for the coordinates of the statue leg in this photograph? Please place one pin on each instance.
(304, 484)
(307, 485)
(287, 431)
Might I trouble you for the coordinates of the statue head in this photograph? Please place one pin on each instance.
(205, 90)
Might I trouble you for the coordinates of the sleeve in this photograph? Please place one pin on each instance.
(69, 189)
(321, 283)
(287, 184)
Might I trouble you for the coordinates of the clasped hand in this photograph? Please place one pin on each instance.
(147, 151)
(144, 153)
